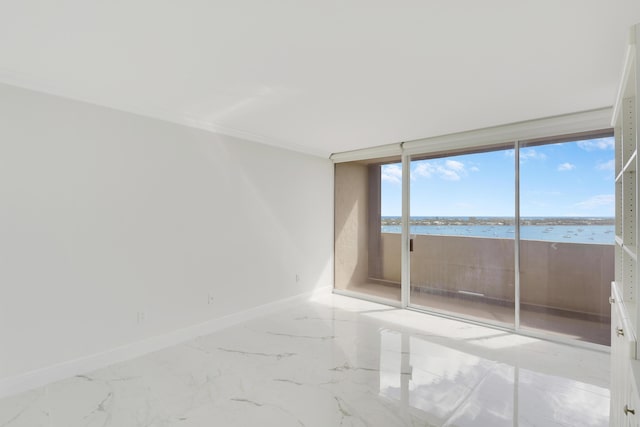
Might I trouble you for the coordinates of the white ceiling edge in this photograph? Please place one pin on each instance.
(470, 138)
(17, 80)
(565, 124)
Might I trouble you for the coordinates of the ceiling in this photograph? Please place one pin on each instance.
(323, 76)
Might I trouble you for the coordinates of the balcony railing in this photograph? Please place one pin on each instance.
(568, 280)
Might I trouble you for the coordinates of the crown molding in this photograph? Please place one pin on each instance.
(537, 128)
(368, 153)
(566, 124)
(23, 81)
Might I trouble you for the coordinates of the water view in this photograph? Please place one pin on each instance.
(561, 229)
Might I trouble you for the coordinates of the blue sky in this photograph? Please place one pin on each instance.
(566, 179)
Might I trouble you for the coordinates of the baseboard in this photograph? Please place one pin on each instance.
(41, 377)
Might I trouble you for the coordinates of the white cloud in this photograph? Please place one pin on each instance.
(606, 166)
(423, 169)
(392, 173)
(454, 165)
(563, 167)
(597, 144)
(448, 174)
(597, 201)
(531, 154)
(450, 170)
(474, 169)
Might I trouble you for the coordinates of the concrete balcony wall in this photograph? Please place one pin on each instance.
(566, 276)
(351, 219)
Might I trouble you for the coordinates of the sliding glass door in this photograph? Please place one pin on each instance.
(567, 236)
(518, 235)
(462, 228)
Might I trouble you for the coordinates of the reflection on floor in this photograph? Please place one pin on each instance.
(563, 325)
(335, 361)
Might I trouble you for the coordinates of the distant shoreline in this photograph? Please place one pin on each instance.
(498, 221)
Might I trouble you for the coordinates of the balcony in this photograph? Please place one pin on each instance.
(564, 287)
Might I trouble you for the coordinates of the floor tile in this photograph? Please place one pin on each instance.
(335, 361)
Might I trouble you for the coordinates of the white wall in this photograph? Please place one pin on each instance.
(104, 214)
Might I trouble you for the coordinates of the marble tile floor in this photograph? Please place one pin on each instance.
(335, 361)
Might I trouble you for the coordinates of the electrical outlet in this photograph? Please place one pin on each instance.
(210, 299)
(141, 316)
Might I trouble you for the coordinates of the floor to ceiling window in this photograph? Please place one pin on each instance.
(567, 237)
(518, 235)
(462, 225)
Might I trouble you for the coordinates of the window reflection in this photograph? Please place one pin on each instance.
(454, 388)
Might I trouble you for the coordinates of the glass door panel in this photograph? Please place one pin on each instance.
(368, 209)
(567, 238)
(462, 228)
